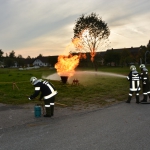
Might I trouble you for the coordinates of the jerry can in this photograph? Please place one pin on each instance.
(37, 111)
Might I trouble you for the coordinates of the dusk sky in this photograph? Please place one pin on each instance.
(33, 27)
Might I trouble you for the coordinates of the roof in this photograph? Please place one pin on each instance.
(132, 49)
(43, 59)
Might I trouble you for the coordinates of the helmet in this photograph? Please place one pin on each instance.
(142, 66)
(32, 80)
(132, 68)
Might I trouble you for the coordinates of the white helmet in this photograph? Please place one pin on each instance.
(132, 68)
(142, 66)
(32, 80)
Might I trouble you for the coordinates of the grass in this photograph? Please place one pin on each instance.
(93, 89)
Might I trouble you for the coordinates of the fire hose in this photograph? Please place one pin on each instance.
(55, 103)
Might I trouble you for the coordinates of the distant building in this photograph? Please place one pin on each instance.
(41, 61)
(132, 50)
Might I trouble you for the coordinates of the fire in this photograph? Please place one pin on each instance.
(77, 43)
(82, 55)
(66, 64)
(83, 43)
(93, 53)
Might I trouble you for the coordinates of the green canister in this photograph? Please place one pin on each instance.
(37, 111)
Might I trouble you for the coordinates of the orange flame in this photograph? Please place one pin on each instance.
(82, 55)
(93, 53)
(77, 43)
(84, 34)
(66, 65)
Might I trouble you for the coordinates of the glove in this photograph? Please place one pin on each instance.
(29, 98)
(144, 82)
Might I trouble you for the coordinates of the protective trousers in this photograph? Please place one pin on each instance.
(145, 92)
(148, 92)
(130, 96)
(49, 106)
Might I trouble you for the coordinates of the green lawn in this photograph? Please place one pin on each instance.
(93, 89)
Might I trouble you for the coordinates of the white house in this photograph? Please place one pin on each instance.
(42, 61)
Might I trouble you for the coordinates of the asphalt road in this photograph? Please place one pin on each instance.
(119, 127)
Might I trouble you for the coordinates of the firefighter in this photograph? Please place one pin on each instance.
(134, 79)
(48, 92)
(145, 82)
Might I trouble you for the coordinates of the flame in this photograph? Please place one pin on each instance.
(77, 43)
(82, 55)
(66, 64)
(93, 53)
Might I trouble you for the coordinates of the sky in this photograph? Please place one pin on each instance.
(33, 27)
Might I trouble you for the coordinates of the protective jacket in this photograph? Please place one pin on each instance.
(47, 90)
(145, 84)
(144, 77)
(134, 79)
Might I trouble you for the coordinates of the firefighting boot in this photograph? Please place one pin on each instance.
(52, 110)
(48, 112)
(149, 96)
(145, 99)
(129, 99)
(137, 99)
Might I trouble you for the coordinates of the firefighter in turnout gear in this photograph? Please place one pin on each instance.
(134, 79)
(48, 92)
(145, 82)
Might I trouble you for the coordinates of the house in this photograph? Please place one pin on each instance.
(41, 61)
(132, 50)
(101, 55)
(1, 64)
(28, 62)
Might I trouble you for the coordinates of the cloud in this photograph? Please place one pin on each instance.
(35, 26)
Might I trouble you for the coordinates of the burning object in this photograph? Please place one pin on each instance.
(75, 82)
(66, 66)
(64, 79)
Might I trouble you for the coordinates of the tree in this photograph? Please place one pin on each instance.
(19, 56)
(52, 60)
(12, 54)
(1, 53)
(89, 33)
(125, 57)
(112, 57)
(10, 60)
(28, 57)
(20, 60)
(40, 55)
(148, 45)
(6, 55)
(142, 52)
(147, 55)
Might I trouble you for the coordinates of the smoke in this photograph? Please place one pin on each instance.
(54, 76)
(83, 76)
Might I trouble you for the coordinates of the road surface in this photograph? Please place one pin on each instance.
(118, 127)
